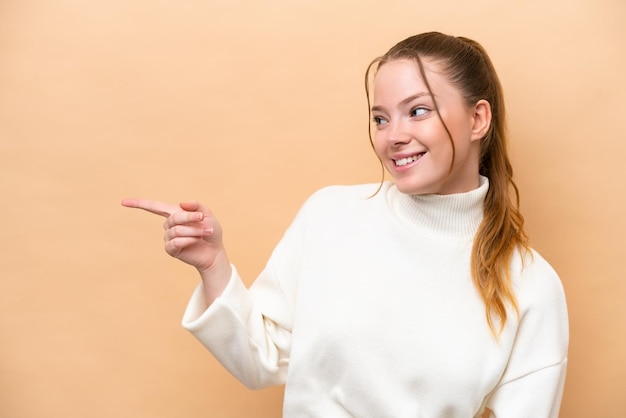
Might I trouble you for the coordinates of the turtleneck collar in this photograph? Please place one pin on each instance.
(442, 217)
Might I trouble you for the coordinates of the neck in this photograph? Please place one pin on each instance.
(442, 216)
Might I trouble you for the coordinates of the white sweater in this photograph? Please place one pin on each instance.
(367, 309)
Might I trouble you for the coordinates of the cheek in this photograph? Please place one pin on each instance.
(461, 128)
(436, 139)
(379, 144)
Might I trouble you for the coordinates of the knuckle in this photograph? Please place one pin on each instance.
(171, 248)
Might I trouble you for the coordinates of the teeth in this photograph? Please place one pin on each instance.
(405, 161)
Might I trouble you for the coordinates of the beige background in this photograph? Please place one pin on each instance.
(249, 107)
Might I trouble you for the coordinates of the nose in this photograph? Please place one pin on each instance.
(398, 133)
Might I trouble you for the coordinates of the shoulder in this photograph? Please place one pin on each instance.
(338, 204)
(340, 195)
(537, 283)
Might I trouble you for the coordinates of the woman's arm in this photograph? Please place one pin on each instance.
(533, 382)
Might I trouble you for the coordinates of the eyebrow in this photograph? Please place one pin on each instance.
(403, 102)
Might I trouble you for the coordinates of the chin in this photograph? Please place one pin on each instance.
(408, 188)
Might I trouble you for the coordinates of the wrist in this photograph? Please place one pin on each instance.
(216, 277)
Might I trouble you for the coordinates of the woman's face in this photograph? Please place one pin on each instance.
(411, 140)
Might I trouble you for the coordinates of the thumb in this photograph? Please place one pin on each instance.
(189, 205)
(194, 206)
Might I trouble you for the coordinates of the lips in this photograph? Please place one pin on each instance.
(407, 160)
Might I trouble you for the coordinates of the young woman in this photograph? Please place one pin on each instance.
(414, 298)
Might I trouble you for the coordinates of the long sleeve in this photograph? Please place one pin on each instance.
(249, 330)
(236, 333)
(532, 384)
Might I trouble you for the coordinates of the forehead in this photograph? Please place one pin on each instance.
(407, 70)
(402, 76)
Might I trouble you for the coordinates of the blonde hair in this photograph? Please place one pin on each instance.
(468, 67)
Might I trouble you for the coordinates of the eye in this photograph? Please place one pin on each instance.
(419, 111)
(379, 120)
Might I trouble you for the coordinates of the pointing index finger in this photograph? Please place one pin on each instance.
(152, 206)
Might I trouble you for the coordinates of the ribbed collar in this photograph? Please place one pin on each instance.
(441, 217)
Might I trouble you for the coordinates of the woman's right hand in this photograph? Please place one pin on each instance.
(192, 234)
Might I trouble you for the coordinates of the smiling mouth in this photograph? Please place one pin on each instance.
(407, 160)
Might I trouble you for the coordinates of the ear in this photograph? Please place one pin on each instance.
(481, 120)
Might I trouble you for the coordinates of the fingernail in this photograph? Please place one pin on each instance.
(208, 231)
